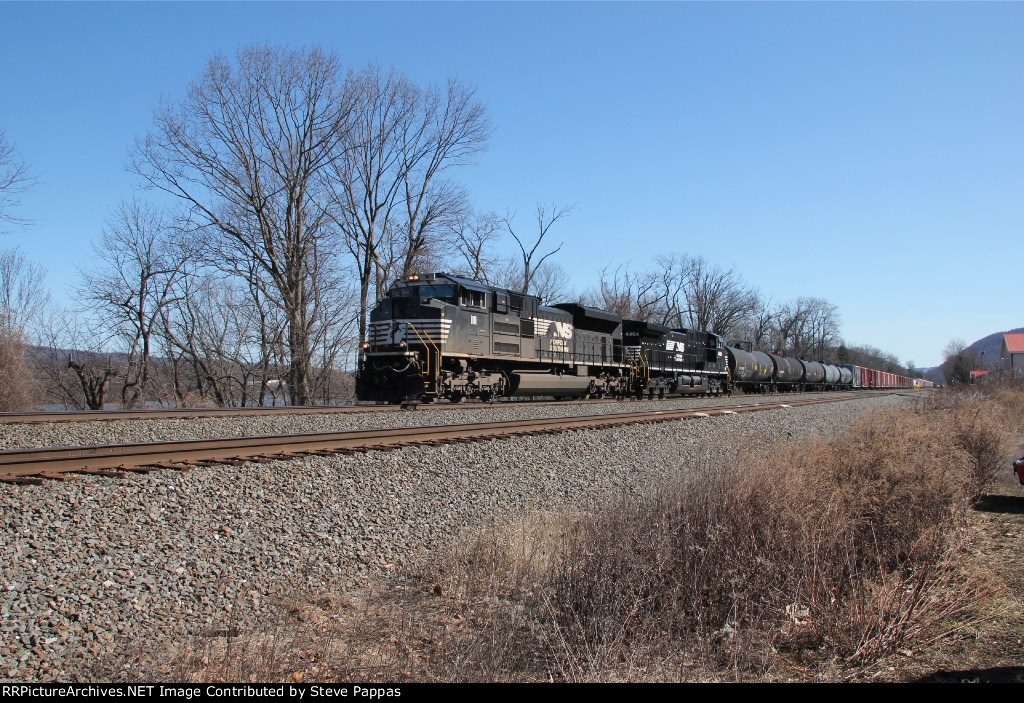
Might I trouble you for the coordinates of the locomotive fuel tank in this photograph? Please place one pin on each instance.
(534, 383)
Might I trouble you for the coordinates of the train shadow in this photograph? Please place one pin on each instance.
(996, 674)
(1006, 505)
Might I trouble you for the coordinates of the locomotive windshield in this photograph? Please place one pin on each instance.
(446, 293)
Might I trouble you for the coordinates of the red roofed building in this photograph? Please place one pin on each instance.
(1013, 349)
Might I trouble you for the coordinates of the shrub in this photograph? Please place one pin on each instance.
(16, 391)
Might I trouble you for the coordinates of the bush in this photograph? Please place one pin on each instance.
(16, 391)
(840, 552)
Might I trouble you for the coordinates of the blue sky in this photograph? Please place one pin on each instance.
(867, 153)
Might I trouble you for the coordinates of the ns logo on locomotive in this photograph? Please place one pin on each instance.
(441, 336)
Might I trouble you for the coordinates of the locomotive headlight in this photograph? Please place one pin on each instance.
(366, 345)
(402, 344)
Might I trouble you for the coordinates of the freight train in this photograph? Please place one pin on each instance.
(438, 336)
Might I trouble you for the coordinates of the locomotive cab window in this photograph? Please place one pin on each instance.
(474, 298)
(446, 293)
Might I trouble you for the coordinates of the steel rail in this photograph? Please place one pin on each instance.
(51, 462)
(51, 416)
(54, 416)
(175, 413)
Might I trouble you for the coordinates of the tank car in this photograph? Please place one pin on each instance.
(789, 373)
(814, 375)
(750, 372)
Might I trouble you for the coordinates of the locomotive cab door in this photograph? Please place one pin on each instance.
(505, 328)
(475, 322)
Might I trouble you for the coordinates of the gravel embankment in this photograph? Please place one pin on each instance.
(65, 434)
(98, 566)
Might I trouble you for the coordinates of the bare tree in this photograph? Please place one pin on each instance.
(532, 259)
(392, 192)
(551, 284)
(94, 373)
(716, 298)
(682, 291)
(450, 130)
(806, 327)
(78, 376)
(223, 339)
(250, 151)
(872, 357)
(670, 279)
(472, 235)
(23, 295)
(135, 281)
(15, 179)
(17, 392)
(756, 326)
(23, 301)
(958, 362)
(632, 295)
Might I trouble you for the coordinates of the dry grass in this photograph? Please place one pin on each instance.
(821, 561)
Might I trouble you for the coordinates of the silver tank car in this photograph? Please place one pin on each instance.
(814, 373)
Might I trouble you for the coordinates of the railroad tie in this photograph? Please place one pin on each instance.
(22, 480)
(149, 468)
(56, 476)
(105, 473)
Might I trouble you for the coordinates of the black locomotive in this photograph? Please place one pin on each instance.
(440, 336)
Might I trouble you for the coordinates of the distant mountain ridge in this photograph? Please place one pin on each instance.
(991, 345)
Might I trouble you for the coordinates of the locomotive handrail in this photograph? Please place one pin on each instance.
(438, 351)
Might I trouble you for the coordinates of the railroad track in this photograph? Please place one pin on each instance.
(53, 416)
(50, 416)
(113, 460)
(172, 413)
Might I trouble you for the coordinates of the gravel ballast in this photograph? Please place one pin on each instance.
(99, 566)
(66, 434)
